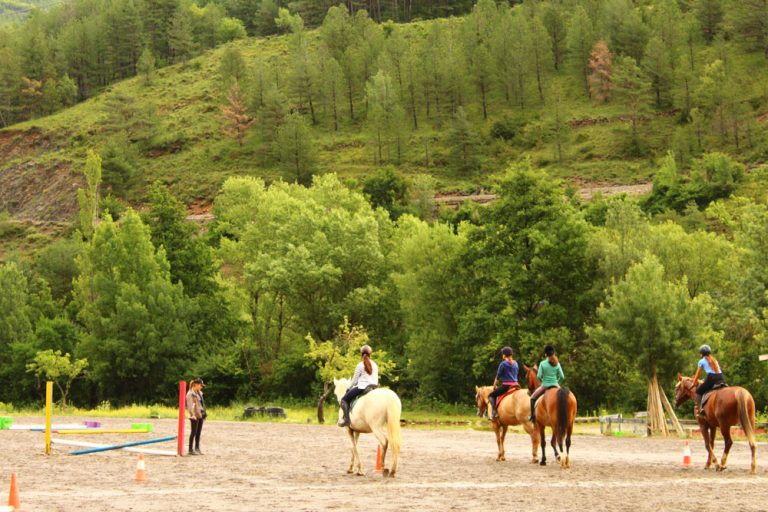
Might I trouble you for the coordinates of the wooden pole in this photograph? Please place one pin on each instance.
(672, 415)
(48, 407)
(182, 402)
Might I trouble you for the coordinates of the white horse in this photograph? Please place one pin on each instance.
(377, 412)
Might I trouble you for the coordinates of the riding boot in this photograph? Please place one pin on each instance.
(697, 410)
(493, 413)
(532, 417)
(345, 409)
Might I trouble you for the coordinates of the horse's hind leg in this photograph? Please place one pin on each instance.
(726, 431)
(543, 443)
(553, 442)
(503, 438)
(568, 446)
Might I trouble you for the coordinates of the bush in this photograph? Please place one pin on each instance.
(506, 128)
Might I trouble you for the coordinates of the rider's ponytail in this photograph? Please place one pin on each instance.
(367, 363)
(713, 364)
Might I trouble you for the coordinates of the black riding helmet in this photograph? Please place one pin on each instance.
(705, 350)
(549, 350)
(506, 351)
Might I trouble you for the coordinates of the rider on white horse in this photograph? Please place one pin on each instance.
(366, 374)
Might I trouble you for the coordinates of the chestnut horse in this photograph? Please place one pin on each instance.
(513, 410)
(725, 407)
(556, 409)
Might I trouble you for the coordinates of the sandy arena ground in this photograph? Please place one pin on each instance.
(269, 466)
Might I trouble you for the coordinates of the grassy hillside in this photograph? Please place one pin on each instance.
(187, 150)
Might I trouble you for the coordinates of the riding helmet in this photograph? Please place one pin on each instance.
(705, 350)
(366, 349)
(549, 350)
(506, 351)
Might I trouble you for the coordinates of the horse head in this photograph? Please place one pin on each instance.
(340, 387)
(684, 389)
(481, 399)
(531, 376)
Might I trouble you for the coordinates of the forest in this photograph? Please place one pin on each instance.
(320, 151)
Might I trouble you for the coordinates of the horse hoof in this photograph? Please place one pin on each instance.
(349, 471)
(543, 463)
(359, 474)
(385, 473)
(535, 461)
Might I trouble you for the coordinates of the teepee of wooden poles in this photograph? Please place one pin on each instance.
(657, 405)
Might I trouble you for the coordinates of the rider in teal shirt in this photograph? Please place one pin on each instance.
(550, 374)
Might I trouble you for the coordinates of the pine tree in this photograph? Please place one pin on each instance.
(581, 39)
(232, 68)
(710, 16)
(181, 45)
(88, 199)
(386, 117)
(600, 79)
(146, 66)
(631, 87)
(296, 149)
(555, 24)
(236, 116)
(464, 143)
(657, 63)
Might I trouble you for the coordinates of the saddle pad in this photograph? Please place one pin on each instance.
(510, 392)
(709, 393)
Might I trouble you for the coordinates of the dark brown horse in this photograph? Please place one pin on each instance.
(531, 377)
(556, 409)
(725, 407)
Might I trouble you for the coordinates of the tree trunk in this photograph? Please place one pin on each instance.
(321, 403)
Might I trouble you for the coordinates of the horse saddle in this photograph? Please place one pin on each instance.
(709, 393)
(502, 397)
(365, 392)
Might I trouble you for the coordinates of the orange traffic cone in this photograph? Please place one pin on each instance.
(141, 470)
(13, 497)
(686, 456)
(378, 459)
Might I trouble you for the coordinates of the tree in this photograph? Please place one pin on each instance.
(295, 147)
(387, 189)
(652, 322)
(556, 27)
(600, 73)
(135, 318)
(386, 118)
(88, 199)
(60, 369)
(581, 39)
(337, 358)
(657, 63)
(232, 68)
(229, 29)
(539, 50)
(236, 116)
(181, 45)
(631, 87)
(709, 14)
(465, 144)
(15, 322)
(750, 21)
(426, 258)
(146, 66)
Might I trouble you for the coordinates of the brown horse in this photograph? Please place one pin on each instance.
(513, 410)
(532, 377)
(556, 409)
(724, 408)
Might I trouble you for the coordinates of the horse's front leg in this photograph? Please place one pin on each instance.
(531, 429)
(708, 433)
(543, 444)
(726, 431)
(503, 438)
(499, 442)
(352, 440)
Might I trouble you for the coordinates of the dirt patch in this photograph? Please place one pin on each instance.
(267, 466)
(39, 192)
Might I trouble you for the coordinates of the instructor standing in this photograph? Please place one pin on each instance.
(197, 414)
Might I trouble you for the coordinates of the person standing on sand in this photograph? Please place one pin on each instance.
(197, 414)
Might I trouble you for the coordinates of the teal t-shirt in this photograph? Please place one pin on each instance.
(550, 375)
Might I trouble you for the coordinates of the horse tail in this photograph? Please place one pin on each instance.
(746, 417)
(562, 412)
(393, 428)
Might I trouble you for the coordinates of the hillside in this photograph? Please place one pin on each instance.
(171, 129)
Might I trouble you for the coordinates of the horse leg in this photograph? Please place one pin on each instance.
(503, 438)
(543, 443)
(499, 442)
(726, 431)
(352, 462)
(357, 455)
(530, 428)
(709, 439)
(568, 445)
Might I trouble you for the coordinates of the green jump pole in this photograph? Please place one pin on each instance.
(126, 445)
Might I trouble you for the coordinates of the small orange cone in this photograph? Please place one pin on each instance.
(378, 459)
(13, 497)
(141, 470)
(686, 456)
